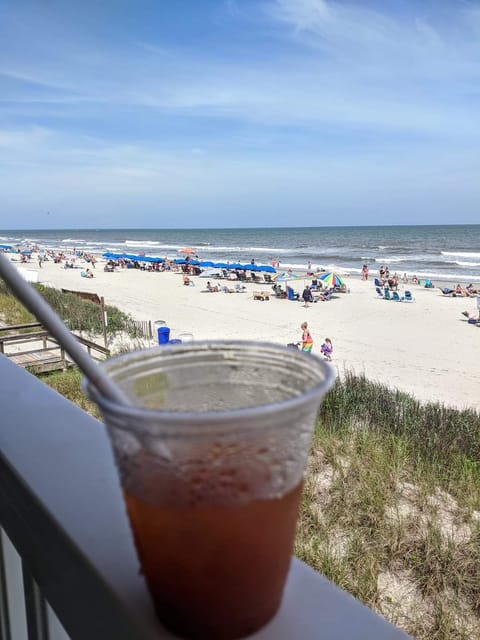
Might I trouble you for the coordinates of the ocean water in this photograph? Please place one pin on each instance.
(450, 253)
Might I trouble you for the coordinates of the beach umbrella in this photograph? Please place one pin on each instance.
(236, 265)
(205, 263)
(221, 265)
(149, 259)
(187, 250)
(267, 268)
(5, 246)
(210, 273)
(331, 279)
(285, 276)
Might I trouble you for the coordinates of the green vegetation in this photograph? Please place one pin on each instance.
(79, 315)
(391, 507)
(67, 383)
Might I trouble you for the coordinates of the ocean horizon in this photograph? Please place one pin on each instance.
(442, 252)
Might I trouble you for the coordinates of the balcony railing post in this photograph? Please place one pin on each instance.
(4, 615)
(35, 607)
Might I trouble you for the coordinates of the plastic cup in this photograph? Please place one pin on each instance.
(212, 456)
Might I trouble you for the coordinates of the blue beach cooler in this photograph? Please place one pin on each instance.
(163, 335)
(175, 341)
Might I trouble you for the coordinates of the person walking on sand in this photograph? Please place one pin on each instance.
(327, 349)
(307, 340)
(307, 296)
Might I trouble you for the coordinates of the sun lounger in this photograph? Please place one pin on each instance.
(396, 297)
(408, 296)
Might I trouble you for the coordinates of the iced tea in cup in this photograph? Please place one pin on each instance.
(212, 455)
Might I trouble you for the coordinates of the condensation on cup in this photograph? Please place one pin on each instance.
(212, 456)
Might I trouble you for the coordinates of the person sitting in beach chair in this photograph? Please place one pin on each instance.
(211, 288)
(278, 291)
(326, 296)
(186, 281)
(471, 317)
(86, 274)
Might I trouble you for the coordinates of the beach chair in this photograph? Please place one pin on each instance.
(378, 283)
(387, 294)
(408, 296)
(379, 292)
(446, 291)
(396, 297)
(292, 295)
(325, 297)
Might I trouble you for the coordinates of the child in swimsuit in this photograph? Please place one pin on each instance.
(327, 349)
(307, 340)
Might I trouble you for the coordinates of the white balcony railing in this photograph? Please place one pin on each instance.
(68, 567)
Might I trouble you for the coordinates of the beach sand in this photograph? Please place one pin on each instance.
(425, 348)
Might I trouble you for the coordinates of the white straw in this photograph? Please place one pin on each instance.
(39, 307)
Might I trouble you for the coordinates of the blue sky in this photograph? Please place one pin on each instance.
(238, 113)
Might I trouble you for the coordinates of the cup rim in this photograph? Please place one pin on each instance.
(214, 418)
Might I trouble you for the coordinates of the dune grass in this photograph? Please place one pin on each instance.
(79, 315)
(391, 507)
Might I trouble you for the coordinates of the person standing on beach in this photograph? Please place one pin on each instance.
(307, 340)
(307, 296)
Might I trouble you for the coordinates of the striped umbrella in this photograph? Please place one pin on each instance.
(285, 276)
(331, 279)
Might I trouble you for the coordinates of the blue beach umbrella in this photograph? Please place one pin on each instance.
(221, 265)
(267, 268)
(205, 263)
(5, 246)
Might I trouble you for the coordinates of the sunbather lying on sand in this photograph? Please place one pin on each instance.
(472, 318)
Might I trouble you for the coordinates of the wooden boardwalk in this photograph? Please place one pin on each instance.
(38, 351)
(41, 361)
